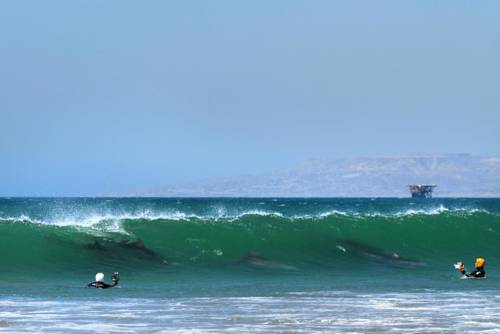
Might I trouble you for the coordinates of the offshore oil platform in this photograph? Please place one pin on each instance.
(422, 190)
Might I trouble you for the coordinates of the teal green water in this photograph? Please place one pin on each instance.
(242, 246)
(248, 265)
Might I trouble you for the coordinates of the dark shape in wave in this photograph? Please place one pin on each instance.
(262, 262)
(377, 254)
(117, 246)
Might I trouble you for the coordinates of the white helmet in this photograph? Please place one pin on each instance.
(99, 277)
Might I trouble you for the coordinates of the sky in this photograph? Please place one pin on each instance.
(110, 96)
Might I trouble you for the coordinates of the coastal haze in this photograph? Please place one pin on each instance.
(459, 175)
(122, 97)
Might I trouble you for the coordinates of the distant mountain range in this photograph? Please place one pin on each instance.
(457, 175)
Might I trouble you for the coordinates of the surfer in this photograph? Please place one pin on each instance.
(478, 273)
(99, 281)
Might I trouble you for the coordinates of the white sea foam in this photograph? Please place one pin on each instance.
(21, 219)
(94, 219)
(301, 312)
(321, 215)
(256, 213)
(440, 210)
(112, 221)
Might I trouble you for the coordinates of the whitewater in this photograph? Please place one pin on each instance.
(248, 265)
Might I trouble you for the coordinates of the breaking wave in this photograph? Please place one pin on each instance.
(256, 239)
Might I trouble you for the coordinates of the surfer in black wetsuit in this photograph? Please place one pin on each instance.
(478, 273)
(99, 281)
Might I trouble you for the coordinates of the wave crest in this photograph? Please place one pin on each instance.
(93, 220)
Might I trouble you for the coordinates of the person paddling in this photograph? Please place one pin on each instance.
(478, 273)
(100, 284)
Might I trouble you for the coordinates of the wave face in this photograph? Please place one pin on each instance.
(49, 237)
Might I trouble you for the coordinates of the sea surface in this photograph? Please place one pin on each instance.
(239, 265)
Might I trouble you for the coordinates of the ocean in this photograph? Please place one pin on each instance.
(260, 265)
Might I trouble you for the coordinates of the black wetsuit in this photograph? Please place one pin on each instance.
(478, 273)
(101, 285)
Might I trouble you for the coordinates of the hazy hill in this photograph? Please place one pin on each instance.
(456, 175)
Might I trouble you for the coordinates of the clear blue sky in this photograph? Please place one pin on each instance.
(111, 96)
